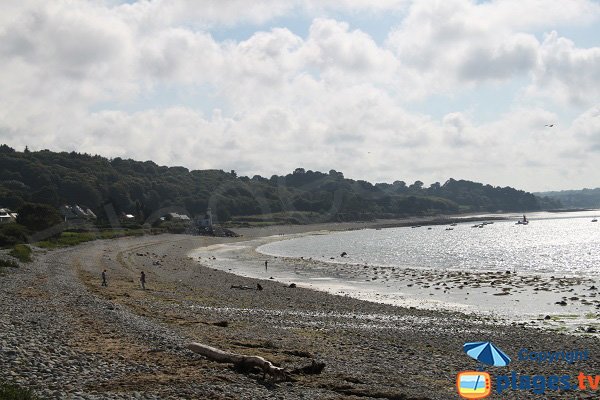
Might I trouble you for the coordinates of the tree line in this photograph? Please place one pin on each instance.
(584, 198)
(143, 187)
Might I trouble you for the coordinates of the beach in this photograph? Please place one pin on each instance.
(568, 299)
(66, 336)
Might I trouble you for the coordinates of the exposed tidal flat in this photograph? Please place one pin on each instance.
(547, 270)
(65, 336)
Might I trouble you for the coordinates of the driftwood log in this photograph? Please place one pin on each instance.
(248, 362)
(241, 287)
(239, 360)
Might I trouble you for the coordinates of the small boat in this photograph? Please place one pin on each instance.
(595, 220)
(523, 221)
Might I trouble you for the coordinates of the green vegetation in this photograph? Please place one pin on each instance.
(37, 217)
(11, 234)
(73, 238)
(8, 264)
(22, 252)
(9, 391)
(585, 198)
(35, 184)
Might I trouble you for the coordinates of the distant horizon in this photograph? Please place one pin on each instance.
(241, 173)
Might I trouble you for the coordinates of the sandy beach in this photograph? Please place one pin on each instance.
(66, 336)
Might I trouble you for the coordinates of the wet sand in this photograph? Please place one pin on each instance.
(548, 300)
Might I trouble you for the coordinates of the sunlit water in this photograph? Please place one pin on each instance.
(566, 243)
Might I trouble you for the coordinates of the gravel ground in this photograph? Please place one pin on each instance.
(65, 336)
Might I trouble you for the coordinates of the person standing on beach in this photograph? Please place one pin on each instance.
(266, 262)
(104, 283)
(143, 280)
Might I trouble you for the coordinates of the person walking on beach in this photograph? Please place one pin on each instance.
(104, 283)
(143, 280)
(266, 262)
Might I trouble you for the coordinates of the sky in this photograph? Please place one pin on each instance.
(381, 90)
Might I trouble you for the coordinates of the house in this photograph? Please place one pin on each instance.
(7, 216)
(177, 217)
(76, 213)
(127, 217)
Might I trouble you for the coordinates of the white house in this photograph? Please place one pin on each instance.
(178, 217)
(7, 216)
(76, 212)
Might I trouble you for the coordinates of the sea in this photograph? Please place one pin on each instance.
(565, 243)
(554, 258)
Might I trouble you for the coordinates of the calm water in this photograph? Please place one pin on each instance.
(567, 243)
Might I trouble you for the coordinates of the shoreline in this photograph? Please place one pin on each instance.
(514, 297)
(130, 342)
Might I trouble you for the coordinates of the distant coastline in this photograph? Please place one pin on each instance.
(566, 210)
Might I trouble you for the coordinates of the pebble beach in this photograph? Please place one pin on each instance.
(65, 336)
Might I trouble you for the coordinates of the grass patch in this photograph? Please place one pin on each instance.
(8, 264)
(22, 252)
(560, 317)
(66, 239)
(9, 391)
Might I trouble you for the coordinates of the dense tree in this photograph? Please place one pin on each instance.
(38, 217)
(585, 198)
(11, 234)
(143, 188)
(46, 195)
(6, 149)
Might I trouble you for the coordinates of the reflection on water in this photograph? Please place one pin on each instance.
(567, 243)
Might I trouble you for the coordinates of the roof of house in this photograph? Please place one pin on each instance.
(179, 216)
(75, 211)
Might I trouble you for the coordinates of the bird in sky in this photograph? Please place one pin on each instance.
(549, 125)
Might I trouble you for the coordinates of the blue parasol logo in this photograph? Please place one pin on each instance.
(486, 353)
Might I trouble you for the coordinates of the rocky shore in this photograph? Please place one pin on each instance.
(65, 336)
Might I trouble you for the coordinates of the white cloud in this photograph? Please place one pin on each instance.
(333, 99)
(200, 14)
(567, 74)
(179, 56)
(586, 128)
(457, 42)
(334, 49)
(514, 56)
(206, 14)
